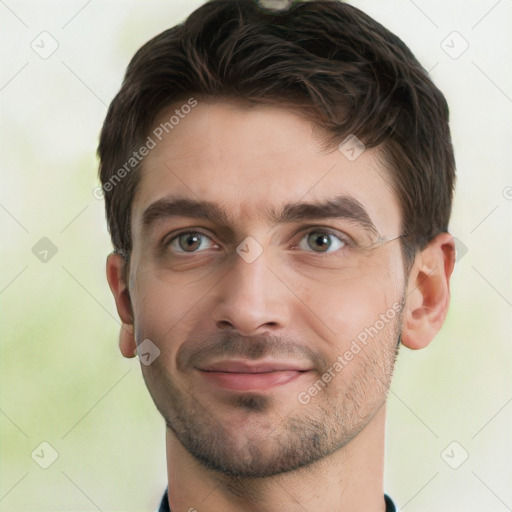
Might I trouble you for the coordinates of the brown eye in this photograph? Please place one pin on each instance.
(322, 241)
(189, 241)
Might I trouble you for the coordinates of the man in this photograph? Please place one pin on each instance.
(278, 187)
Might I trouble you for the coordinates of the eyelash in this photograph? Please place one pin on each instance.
(345, 239)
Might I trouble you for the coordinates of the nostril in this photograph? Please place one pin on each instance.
(223, 324)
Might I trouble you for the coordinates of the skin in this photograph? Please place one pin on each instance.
(262, 449)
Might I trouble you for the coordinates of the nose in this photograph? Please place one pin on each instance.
(251, 299)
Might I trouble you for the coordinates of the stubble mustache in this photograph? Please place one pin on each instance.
(204, 349)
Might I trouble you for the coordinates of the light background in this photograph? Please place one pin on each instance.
(63, 380)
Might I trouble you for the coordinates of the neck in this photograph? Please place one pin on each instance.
(348, 480)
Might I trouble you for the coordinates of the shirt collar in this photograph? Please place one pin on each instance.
(164, 505)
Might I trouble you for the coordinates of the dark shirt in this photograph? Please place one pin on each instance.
(164, 506)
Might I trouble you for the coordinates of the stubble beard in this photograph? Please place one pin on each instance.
(271, 443)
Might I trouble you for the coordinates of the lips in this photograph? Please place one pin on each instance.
(242, 376)
(263, 367)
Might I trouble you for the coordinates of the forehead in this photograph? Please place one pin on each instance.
(252, 161)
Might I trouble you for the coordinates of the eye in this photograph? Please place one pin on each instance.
(189, 242)
(323, 240)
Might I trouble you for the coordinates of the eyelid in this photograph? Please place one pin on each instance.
(330, 231)
(168, 239)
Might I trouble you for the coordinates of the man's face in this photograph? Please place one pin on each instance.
(248, 331)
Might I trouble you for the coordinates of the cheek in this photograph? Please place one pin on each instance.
(165, 312)
(343, 306)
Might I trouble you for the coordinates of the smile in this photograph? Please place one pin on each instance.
(252, 380)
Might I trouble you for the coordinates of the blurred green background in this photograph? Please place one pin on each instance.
(62, 378)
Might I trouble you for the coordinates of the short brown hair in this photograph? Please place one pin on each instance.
(346, 72)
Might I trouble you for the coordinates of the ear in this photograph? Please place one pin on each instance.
(428, 292)
(115, 277)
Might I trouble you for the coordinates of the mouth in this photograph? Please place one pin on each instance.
(241, 376)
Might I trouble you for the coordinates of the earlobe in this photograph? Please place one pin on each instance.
(428, 293)
(115, 271)
(127, 344)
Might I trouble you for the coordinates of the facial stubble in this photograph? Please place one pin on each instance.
(268, 442)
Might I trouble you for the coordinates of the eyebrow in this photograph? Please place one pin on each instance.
(340, 207)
